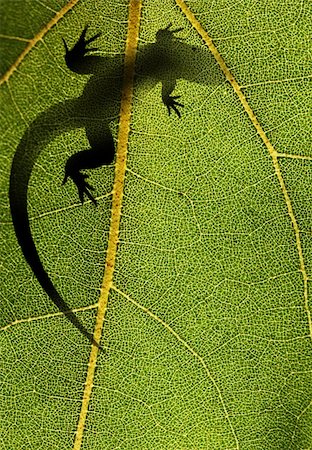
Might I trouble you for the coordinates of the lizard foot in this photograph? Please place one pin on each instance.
(171, 102)
(82, 185)
(166, 35)
(80, 48)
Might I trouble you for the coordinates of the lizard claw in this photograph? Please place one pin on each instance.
(82, 185)
(171, 102)
(82, 43)
(80, 48)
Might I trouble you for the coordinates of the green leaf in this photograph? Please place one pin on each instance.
(20, 23)
(200, 295)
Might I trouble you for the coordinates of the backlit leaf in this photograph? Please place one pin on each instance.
(206, 334)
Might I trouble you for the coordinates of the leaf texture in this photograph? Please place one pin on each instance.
(194, 270)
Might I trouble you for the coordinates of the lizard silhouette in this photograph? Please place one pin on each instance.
(165, 61)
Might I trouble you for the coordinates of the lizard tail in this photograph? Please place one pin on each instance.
(24, 159)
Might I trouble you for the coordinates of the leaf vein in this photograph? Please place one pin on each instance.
(46, 316)
(38, 37)
(120, 171)
(273, 153)
(190, 349)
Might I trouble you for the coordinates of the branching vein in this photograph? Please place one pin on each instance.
(39, 36)
(190, 349)
(273, 153)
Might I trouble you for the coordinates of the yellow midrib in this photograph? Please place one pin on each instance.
(120, 170)
(273, 153)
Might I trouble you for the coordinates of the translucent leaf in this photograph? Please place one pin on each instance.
(194, 269)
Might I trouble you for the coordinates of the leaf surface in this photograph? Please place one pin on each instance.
(206, 334)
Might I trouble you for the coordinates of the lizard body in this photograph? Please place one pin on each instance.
(164, 61)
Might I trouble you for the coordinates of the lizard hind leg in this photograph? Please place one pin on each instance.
(101, 153)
